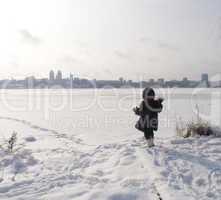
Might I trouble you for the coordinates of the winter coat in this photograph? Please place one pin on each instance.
(148, 113)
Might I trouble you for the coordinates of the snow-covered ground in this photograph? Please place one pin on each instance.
(82, 145)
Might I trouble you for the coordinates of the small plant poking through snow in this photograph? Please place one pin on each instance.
(193, 128)
(10, 145)
(12, 142)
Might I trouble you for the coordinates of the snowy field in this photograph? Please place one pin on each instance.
(82, 145)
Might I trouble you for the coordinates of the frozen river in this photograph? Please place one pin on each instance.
(106, 113)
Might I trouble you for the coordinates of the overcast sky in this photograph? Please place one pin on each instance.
(107, 39)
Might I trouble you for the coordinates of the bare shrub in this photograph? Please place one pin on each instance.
(193, 128)
(12, 142)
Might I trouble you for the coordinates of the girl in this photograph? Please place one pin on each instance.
(148, 112)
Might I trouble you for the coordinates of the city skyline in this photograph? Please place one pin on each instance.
(59, 75)
(56, 79)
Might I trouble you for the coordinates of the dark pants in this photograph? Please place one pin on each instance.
(148, 133)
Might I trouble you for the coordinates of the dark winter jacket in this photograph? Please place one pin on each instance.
(148, 113)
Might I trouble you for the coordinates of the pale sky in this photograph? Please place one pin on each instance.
(106, 39)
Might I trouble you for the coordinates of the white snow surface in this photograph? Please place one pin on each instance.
(72, 154)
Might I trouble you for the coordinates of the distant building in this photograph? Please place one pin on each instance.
(205, 80)
(71, 80)
(109, 83)
(185, 82)
(76, 81)
(71, 77)
(173, 83)
(121, 80)
(130, 82)
(30, 82)
(42, 83)
(160, 81)
(51, 75)
(59, 76)
(151, 81)
(205, 77)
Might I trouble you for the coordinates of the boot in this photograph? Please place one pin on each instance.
(150, 143)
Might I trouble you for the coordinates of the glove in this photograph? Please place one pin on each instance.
(136, 110)
(160, 100)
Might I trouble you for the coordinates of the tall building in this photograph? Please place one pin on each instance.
(205, 79)
(59, 76)
(71, 80)
(71, 77)
(160, 81)
(51, 75)
(121, 79)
